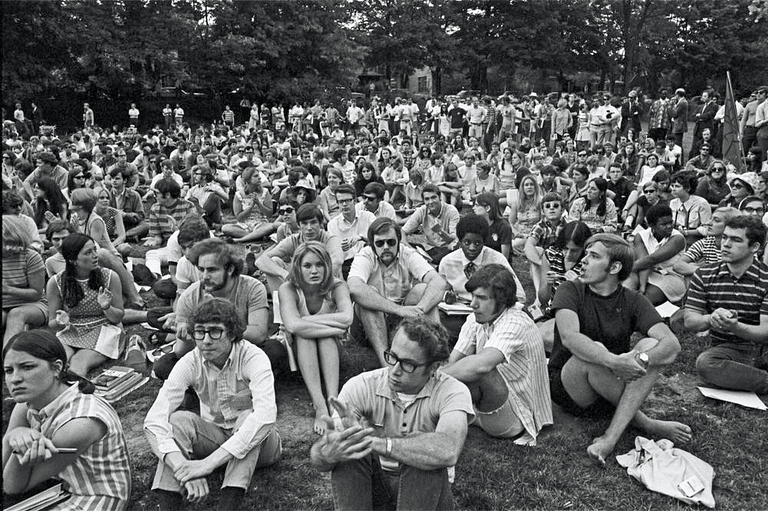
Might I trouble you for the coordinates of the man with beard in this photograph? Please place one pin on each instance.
(389, 281)
(220, 277)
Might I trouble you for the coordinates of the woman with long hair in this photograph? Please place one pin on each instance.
(113, 220)
(483, 181)
(24, 301)
(49, 203)
(58, 428)
(629, 161)
(434, 174)
(365, 176)
(499, 232)
(78, 177)
(525, 212)
(706, 250)
(754, 159)
(317, 310)
(85, 306)
(251, 206)
(596, 209)
(423, 159)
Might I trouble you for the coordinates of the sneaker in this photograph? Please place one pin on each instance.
(135, 354)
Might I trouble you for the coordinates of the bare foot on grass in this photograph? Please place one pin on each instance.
(678, 432)
(320, 423)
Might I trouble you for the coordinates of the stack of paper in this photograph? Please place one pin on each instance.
(42, 500)
(455, 309)
(117, 381)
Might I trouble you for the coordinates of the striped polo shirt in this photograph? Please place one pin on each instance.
(714, 286)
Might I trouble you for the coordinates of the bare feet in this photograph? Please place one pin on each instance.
(600, 450)
(678, 432)
(320, 424)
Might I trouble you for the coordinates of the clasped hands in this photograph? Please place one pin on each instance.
(627, 368)
(724, 320)
(351, 443)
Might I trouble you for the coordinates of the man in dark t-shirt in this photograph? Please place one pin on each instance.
(593, 370)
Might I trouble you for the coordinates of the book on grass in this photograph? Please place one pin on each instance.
(455, 309)
(44, 499)
(118, 389)
(112, 377)
(138, 383)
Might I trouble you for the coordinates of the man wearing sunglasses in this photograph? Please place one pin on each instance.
(389, 281)
(500, 357)
(398, 431)
(373, 201)
(236, 423)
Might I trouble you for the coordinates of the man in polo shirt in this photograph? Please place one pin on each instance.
(500, 357)
(730, 298)
(592, 371)
(373, 201)
(276, 261)
(437, 221)
(389, 281)
(351, 226)
(397, 431)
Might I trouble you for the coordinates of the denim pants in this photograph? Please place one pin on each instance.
(732, 366)
(362, 484)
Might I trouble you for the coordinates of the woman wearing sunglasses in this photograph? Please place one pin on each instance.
(316, 310)
(714, 185)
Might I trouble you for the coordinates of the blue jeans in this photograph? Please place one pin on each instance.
(732, 366)
(362, 484)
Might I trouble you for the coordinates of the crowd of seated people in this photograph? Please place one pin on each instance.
(362, 224)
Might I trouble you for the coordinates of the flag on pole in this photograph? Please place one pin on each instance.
(732, 150)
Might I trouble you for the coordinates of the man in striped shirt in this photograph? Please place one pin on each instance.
(730, 298)
(167, 213)
(500, 357)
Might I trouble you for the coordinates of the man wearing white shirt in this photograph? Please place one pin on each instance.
(608, 116)
(761, 119)
(351, 226)
(476, 117)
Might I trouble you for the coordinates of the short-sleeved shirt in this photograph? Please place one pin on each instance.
(395, 281)
(286, 248)
(610, 320)
(524, 368)
(714, 286)
(16, 272)
(706, 250)
(446, 221)
(499, 233)
(369, 395)
(544, 234)
(248, 296)
(452, 269)
(385, 209)
(163, 221)
(339, 227)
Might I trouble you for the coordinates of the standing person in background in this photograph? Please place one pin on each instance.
(167, 116)
(228, 117)
(761, 120)
(705, 116)
(678, 112)
(178, 114)
(133, 115)
(88, 118)
(631, 111)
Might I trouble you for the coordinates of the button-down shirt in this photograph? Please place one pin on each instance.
(452, 268)
(395, 281)
(761, 115)
(524, 368)
(439, 230)
(339, 227)
(244, 384)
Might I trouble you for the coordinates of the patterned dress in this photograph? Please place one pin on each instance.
(256, 217)
(100, 478)
(87, 319)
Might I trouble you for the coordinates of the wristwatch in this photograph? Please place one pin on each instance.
(642, 359)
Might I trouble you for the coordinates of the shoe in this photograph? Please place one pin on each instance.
(135, 354)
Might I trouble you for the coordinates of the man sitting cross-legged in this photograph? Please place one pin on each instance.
(389, 280)
(398, 429)
(236, 424)
(730, 298)
(500, 357)
(593, 371)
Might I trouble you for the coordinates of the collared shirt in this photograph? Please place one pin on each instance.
(544, 233)
(452, 268)
(129, 201)
(339, 227)
(369, 395)
(691, 214)
(524, 371)
(395, 281)
(248, 295)
(244, 384)
(761, 115)
(385, 209)
(434, 226)
(714, 286)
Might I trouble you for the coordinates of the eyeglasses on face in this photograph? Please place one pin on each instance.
(389, 241)
(344, 201)
(718, 169)
(408, 366)
(751, 211)
(371, 198)
(215, 333)
(285, 211)
(737, 185)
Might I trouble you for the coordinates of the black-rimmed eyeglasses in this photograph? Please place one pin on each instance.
(408, 366)
(215, 333)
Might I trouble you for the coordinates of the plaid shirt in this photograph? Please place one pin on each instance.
(545, 234)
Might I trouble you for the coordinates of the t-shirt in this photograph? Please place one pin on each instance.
(248, 295)
(16, 271)
(610, 320)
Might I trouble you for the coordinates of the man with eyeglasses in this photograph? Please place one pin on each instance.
(730, 299)
(373, 201)
(127, 168)
(389, 281)
(702, 161)
(398, 431)
(236, 425)
(351, 226)
(437, 222)
(500, 357)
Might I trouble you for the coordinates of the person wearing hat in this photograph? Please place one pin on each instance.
(631, 111)
(678, 113)
(742, 185)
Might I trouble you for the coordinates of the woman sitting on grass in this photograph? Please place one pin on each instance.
(251, 206)
(53, 413)
(316, 310)
(49, 203)
(85, 306)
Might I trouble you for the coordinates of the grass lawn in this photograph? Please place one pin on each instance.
(492, 473)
